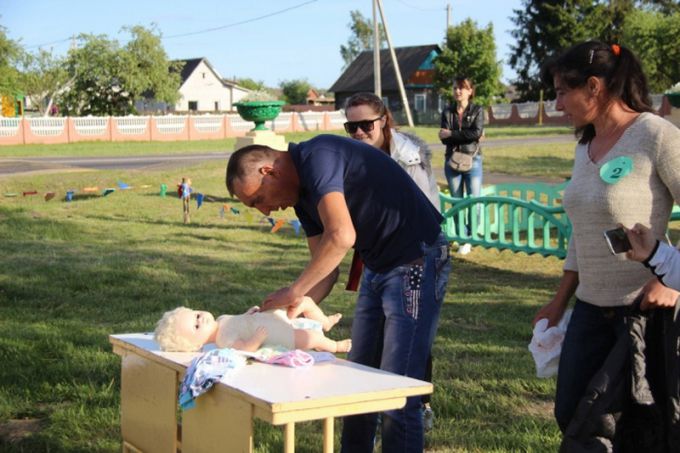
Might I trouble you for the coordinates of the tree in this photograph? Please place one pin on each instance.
(43, 77)
(10, 54)
(469, 52)
(544, 27)
(147, 68)
(361, 38)
(647, 32)
(295, 91)
(107, 79)
(250, 84)
(95, 68)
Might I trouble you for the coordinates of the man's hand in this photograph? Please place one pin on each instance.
(282, 298)
(658, 296)
(642, 242)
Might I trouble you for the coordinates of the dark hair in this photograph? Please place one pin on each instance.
(617, 65)
(379, 108)
(465, 82)
(245, 161)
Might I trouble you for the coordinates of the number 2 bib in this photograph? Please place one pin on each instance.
(614, 170)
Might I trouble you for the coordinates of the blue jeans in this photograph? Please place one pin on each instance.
(468, 183)
(395, 322)
(591, 334)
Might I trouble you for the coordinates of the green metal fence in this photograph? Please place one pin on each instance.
(519, 217)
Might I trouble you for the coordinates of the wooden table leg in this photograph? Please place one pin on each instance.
(289, 438)
(148, 406)
(328, 435)
(220, 422)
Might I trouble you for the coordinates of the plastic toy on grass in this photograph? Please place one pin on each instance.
(184, 191)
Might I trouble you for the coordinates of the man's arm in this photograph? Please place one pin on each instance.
(324, 287)
(328, 251)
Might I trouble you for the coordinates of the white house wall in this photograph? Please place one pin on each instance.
(206, 88)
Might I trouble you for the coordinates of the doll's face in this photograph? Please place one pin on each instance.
(196, 326)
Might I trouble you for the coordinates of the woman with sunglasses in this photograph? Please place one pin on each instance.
(462, 127)
(370, 121)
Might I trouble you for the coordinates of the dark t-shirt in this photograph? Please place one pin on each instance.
(391, 215)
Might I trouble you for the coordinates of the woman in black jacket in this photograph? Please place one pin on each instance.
(462, 126)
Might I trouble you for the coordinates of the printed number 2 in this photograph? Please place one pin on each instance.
(616, 172)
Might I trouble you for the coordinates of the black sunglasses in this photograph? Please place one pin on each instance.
(365, 125)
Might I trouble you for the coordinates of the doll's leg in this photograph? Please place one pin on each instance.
(311, 310)
(313, 339)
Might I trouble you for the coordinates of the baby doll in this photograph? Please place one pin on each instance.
(183, 329)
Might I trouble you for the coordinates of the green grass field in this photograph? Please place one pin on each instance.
(75, 272)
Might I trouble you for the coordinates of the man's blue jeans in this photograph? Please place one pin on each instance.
(394, 326)
(468, 183)
(591, 335)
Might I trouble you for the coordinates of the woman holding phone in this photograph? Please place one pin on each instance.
(625, 170)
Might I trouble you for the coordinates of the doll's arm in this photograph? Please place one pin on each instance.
(252, 310)
(253, 343)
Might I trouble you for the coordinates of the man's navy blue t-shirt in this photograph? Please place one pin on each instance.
(392, 217)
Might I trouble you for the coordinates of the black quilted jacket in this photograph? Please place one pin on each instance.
(633, 404)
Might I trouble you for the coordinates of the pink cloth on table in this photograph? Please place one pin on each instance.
(296, 358)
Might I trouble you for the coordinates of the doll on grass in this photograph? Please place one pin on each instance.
(184, 329)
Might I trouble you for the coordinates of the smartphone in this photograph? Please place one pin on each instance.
(617, 240)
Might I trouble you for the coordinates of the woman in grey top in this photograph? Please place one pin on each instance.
(625, 171)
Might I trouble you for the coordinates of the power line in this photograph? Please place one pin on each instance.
(419, 8)
(208, 30)
(48, 43)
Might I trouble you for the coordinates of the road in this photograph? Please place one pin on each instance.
(19, 165)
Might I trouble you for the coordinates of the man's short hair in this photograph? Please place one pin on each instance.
(245, 161)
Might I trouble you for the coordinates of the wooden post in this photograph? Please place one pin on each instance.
(397, 72)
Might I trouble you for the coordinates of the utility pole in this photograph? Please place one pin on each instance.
(448, 16)
(377, 78)
(400, 83)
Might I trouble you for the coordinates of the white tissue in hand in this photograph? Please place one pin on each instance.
(546, 345)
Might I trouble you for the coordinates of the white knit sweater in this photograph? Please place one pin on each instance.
(645, 195)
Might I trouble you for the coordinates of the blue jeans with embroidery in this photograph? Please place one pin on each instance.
(395, 322)
(468, 183)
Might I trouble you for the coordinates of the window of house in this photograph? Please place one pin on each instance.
(203, 74)
(420, 102)
(441, 105)
(193, 106)
(217, 106)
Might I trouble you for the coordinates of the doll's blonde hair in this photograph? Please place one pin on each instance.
(166, 334)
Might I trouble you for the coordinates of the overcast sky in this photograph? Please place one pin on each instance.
(267, 40)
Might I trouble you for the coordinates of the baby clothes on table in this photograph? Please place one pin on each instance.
(204, 371)
(217, 365)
